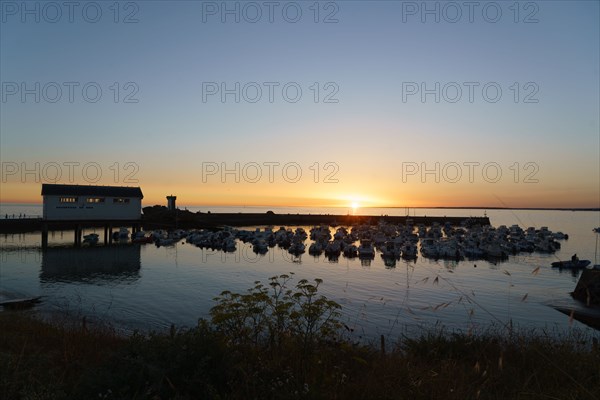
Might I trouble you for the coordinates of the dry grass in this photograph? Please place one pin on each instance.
(41, 359)
(53, 360)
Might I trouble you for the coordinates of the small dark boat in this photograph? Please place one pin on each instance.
(579, 264)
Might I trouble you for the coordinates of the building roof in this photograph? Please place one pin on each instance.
(89, 190)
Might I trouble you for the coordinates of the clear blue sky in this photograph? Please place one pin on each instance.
(371, 56)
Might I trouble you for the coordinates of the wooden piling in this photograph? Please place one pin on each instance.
(44, 236)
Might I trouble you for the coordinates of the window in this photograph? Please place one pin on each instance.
(95, 200)
(68, 199)
(120, 200)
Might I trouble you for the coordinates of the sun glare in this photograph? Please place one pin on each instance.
(355, 201)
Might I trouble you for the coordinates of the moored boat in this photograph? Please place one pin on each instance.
(141, 237)
(91, 238)
(366, 249)
(315, 249)
(571, 264)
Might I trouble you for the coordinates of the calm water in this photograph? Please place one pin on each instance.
(146, 287)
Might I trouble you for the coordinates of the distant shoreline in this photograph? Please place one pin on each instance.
(501, 208)
(373, 207)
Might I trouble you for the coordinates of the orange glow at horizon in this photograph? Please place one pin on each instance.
(409, 195)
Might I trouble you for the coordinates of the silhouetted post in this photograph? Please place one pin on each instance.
(44, 235)
(78, 230)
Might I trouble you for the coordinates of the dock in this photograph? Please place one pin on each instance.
(43, 226)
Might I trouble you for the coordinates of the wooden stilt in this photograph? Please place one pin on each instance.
(44, 236)
(78, 231)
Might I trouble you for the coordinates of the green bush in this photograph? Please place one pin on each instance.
(270, 315)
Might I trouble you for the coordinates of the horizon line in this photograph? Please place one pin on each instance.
(371, 207)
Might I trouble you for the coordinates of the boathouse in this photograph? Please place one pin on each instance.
(91, 203)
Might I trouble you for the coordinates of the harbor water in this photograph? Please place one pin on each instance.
(133, 286)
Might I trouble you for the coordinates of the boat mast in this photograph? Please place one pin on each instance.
(596, 253)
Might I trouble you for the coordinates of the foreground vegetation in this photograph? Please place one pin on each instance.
(280, 342)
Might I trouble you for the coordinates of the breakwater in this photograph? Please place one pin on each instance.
(160, 218)
(316, 219)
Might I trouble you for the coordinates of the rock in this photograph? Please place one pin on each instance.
(588, 287)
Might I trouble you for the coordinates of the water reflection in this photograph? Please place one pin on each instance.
(95, 265)
(178, 282)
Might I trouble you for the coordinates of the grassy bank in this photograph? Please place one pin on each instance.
(276, 343)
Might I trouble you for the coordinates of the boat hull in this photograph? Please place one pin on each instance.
(571, 264)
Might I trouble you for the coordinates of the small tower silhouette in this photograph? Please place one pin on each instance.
(171, 202)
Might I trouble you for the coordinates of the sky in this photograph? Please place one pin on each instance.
(304, 103)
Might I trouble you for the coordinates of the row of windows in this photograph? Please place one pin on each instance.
(117, 200)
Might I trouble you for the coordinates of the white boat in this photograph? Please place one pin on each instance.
(409, 250)
(389, 262)
(122, 234)
(138, 234)
(157, 234)
(140, 237)
(494, 250)
(390, 250)
(366, 249)
(229, 244)
(333, 248)
(178, 234)
(350, 251)
(259, 246)
(430, 250)
(297, 248)
(315, 249)
(91, 238)
(165, 241)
